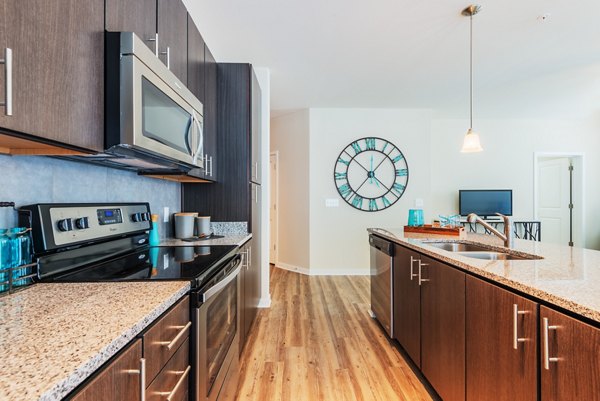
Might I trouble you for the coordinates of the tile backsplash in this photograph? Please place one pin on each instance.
(35, 179)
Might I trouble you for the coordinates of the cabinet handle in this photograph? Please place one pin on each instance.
(516, 339)
(546, 332)
(211, 165)
(179, 383)
(421, 279)
(142, 372)
(256, 170)
(7, 61)
(412, 274)
(171, 344)
(168, 54)
(155, 40)
(249, 257)
(143, 379)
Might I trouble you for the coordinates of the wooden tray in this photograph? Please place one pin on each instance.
(431, 230)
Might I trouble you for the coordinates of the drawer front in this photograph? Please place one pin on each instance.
(173, 381)
(165, 337)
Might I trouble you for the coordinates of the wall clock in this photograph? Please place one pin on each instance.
(371, 174)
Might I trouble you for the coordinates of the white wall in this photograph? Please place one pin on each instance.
(264, 80)
(507, 161)
(290, 136)
(338, 236)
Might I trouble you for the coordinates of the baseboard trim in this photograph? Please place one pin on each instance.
(339, 272)
(322, 272)
(265, 302)
(292, 268)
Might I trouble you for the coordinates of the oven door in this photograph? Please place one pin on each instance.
(158, 113)
(217, 338)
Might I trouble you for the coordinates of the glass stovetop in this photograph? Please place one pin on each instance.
(194, 263)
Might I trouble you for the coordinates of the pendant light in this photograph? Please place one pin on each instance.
(471, 142)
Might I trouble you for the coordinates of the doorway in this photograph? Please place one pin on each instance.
(274, 206)
(558, 197)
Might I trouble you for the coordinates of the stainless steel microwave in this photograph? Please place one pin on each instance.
(150, 114)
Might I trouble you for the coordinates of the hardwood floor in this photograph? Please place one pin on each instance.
(318, 342)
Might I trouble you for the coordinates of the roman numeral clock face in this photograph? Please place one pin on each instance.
(371, 174)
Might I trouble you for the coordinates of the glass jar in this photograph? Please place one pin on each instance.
(20, 255)
(5, 259)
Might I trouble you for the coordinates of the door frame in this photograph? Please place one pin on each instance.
(275, 227)
(579, 161)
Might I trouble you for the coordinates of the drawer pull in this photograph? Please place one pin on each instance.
(8, 69)
(179, 383)
(171, 344)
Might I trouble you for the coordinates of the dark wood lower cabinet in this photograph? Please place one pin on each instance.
(119, 381)
(407, 303)
(173, 380)
(443, 328)
(573, 373)
(249, 294)
(498, 368)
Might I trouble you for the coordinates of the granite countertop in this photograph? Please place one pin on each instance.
(235, 239)
(54, 336)
(567, 277)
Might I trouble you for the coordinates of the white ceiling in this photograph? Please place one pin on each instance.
(396, 53)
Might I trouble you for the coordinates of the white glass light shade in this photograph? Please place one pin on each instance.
(471, 142)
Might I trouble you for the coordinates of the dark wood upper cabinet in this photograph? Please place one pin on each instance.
(570, 369)
(196, 62)
(501, 344)
(138, 16)
(228, 199)
(407, 302)
(58, 70)
(210, 115)
(172, 19)
(443, 328)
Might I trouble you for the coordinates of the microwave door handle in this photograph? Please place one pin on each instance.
(212, 291)
(189, 127)
(200, 147)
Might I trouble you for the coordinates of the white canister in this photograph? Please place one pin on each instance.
(203, 226)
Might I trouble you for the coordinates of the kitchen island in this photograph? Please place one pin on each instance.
(54, 336)
(525, 326)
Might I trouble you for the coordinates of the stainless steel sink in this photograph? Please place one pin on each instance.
(490, 255)
(457, 246)
(477, 251)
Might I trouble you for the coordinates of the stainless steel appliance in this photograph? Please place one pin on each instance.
(382, 307)
(153, 122)
(109, 242)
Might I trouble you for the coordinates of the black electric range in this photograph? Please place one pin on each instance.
(109, 242)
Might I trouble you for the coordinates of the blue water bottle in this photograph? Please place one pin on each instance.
(154, 238)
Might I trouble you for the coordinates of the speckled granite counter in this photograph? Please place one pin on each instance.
(237, 240)
(53, 336)
(567, 277)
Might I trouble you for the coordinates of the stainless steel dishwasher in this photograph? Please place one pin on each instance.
(382, 257)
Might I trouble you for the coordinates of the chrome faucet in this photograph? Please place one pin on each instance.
(507, 237)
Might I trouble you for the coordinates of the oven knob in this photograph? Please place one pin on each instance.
(145, 216)
(136, 217)
(65, 225)
(82, 223)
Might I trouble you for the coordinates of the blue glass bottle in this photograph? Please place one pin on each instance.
(154, 237)
(5, 261)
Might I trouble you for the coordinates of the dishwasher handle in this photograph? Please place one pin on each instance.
(381, 245)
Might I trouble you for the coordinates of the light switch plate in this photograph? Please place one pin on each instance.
(166, 214)
(332, 202)
(419, 202)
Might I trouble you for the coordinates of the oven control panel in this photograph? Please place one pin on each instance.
(67, 224)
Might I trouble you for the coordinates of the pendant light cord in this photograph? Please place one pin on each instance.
(471, 70)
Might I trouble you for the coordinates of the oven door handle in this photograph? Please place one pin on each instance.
(212, 291)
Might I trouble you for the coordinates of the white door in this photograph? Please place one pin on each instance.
(553, 199)
(273, 208)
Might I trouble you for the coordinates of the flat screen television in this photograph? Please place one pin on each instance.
(485, 202)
